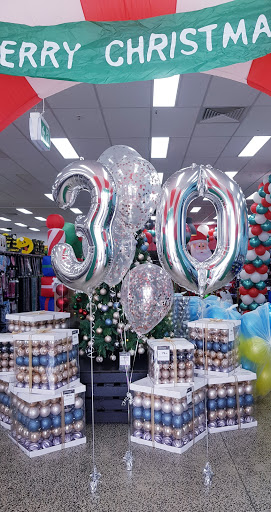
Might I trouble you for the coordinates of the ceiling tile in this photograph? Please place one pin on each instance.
(132, 94)
(90, 149)
(192, 90)
(127, 122)
(235, 146)
(176, 151)
(173, 122)
(229, 163)
(79, 96)
(228, 93)
(81, 123)
(262, 100)
(257, 122)
(214, 129)
(201, 148)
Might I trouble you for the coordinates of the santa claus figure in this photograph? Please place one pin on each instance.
(198, 247)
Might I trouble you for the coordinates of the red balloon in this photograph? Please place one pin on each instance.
(62, 290)
(265, 203)
(62, 303)
(261, 185)
(211, 238)
(249, 268)
(249, 247)
(253, 292)
(256, 230)
(55, 221)
(148, 236)
(253, 208)
(243, 291)
(264, 291)
(268, 215)
(266, 188)
(260, 250)
(262, 270)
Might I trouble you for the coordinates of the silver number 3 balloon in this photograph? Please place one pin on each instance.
(95, 227)
(232, 228)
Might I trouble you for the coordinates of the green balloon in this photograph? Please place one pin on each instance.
(260, 285)
(251, 219)
(257, 262)
(254, 241)
(243, 306)
(266, 226)
(247, 283)
(261, 192)
(267, 242)
(269, 178)
(253, 306)
(261, 209)
(247, 261)
(72, 239)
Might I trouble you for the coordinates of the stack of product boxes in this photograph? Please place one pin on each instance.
(42, 401)
(229, 387)
(169, 405)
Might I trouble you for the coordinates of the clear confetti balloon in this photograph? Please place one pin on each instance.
(124, 245)
(138, 186)
(146, 296)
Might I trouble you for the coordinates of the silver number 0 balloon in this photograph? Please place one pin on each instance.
(95, 227)
(232, 228)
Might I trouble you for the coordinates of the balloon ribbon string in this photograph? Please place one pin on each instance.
(95, 476)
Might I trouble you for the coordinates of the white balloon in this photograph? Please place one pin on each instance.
(263, 236)
(260, 219)
(255, 277)
(268, 198)
(246, 299)
(269, 188)
(204, 229)
(266, 179)
(260, 299)
(244, 275)
(265, 256)
(251, 255)
(250, 234)
(257, 198)
(264, 277)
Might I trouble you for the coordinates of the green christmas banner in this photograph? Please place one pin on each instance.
(124, 51)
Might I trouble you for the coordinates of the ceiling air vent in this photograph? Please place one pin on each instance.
(234, 113)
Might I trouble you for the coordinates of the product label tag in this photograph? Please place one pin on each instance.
(69, 397)
(124, 361)
(75, 337)
(163, 354)
(189, 394)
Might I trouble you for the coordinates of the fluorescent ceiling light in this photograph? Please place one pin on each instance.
(20, 224)
(75, 210)
(195, 209)
(206, 199)
(23, 210)
(250, 198)
(40, 218)
(255, 145)
(161, 176)
(215, 217)
(5, 229)
(159, 147)
(34, 229)
(65, 148)
(5, 219)
(153, 217)
(165, 91)
(210, 222)
(50, 196)
(231, 174)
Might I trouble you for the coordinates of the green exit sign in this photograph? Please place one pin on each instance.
(39, 131)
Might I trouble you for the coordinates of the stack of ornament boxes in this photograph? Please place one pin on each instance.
(46, 398)
(6, 376)
(169, 405)
(229, 387)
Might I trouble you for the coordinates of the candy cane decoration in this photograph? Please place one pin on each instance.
(94, 228)
(255, 272)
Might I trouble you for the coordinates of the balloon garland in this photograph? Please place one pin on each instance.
(255, 272)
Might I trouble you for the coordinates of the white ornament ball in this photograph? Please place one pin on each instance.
(141, 257)
(141, 350)
(107, 339)
(113, 357)
(119, 295)
(103, 291)
(115, 321)
(116, 314)
(110, 304)
(99, 330)
(96, 297)
(99, 359)
(99, 306)
(85, 337)
(132, 352)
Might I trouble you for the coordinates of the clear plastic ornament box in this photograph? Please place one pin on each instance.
(216, 345)
(46, 362)
(243, 418)
(171, 362)
(190, 429)
(5, 405)
(42, 426)
(6, 355)
(35, 320)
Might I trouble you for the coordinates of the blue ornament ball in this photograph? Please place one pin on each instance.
(144, 248)
(157, 416)
(108, 321)
(241, 400)
(138, 412)
(224, 348)
(231, 402)
(33, 425)
(147, 414)
(78, 414)
(26, 361)
(202, 407)
(46, 423)
(216, 347)
(199, 344)
(166, 419)
(35, 361)
(56, 421)
(221, 403)
(212, 405)
(249, 399)
(43, 360)
(177, 421)
(19, 361)
(68, 418)
(186, 417)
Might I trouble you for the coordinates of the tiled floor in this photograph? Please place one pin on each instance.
(160, 481)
